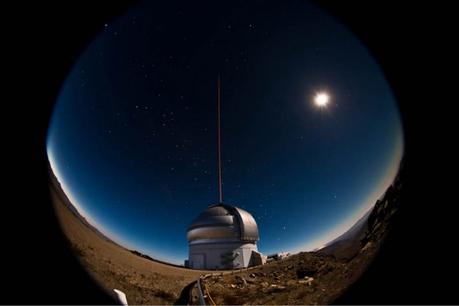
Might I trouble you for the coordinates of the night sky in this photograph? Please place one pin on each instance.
(132, 139)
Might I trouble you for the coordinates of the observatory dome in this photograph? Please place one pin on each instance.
(222, 222)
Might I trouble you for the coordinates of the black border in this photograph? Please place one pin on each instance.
(414, 266)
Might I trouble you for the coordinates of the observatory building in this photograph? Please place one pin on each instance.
(223, 237)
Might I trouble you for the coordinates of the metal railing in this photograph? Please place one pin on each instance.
(200, 293)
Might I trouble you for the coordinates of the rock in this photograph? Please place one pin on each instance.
(366, 247)
(240, 280)
(386, 203)
(264, 284)
(252, 275)
(276, 276)
(307, 281)
(275, 288)
(325, 268)
(305, 271)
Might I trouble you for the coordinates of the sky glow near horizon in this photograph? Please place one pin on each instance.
(320, 241)
(387, 180)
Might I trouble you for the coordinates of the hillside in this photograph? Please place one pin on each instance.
(145, 281)
(311, 277)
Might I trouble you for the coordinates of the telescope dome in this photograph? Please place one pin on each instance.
(223, 223)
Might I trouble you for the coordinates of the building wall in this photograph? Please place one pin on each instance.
(220, 255)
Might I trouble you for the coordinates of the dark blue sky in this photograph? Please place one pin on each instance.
(132, 136)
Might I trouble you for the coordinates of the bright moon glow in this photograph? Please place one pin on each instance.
(321, 99)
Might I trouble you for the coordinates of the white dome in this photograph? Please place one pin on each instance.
(219, 223)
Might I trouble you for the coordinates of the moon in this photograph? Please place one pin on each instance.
(321, 99)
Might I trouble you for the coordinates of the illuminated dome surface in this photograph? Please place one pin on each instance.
(223, 223)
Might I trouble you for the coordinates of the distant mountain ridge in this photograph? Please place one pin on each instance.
(359, 226)
(373, 226)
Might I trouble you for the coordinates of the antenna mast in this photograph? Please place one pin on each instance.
(219, 151)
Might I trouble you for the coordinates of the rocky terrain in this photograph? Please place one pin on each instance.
(305, 278)
(314, 277)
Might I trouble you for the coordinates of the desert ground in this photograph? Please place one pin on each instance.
(305, 278)
(143, 281)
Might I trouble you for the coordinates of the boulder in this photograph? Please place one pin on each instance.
(275, 288)
(240, 280)
(307, 281)
(305, 271)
